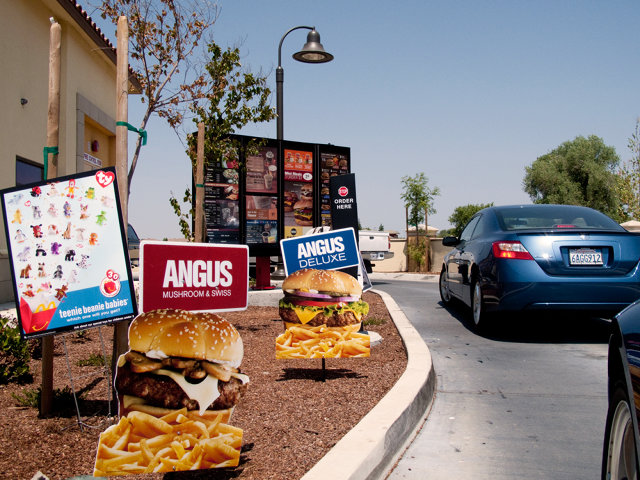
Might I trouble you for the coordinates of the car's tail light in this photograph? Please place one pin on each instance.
(513, 250)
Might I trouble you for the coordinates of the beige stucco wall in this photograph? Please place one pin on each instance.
(87, 91)
(399, 261)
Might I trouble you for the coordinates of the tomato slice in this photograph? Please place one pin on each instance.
(313, 303)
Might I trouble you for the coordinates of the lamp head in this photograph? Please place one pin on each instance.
(313, 51)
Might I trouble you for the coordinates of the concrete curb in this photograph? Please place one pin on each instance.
(369, 450)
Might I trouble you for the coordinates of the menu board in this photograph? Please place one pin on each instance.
(298, 192)
(331, 165)
(262, 171)
(221, 198)
(261, 219)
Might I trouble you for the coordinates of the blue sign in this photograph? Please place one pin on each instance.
(324, 251)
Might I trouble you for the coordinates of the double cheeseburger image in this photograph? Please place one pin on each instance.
(303, 208)
(181, 359)
(322, 312)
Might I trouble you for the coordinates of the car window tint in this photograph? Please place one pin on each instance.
(554, 217)
(481, 227)
(468, 230)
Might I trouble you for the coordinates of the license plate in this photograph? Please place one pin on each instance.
(585, 256)
(376, 256)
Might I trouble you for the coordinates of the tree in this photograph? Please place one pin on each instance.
(629, 180)
(418, 197)
(461, 216)
(578, 172)
(237, 99)
(165, 37)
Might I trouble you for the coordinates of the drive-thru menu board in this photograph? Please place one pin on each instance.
(221, 204)
(298, 192)
(261, 201)
(331, 165)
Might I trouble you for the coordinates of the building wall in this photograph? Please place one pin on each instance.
(398, 263)
(87, 91)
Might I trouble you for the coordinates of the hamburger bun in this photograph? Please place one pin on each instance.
(323, 281)
(179, 333)
(181, 359)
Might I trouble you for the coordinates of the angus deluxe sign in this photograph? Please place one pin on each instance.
(193, 276)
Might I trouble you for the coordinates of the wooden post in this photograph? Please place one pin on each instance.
(199, 193)
(53, 129)
(120, 337)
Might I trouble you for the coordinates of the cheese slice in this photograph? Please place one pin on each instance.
(205, 392)
(306, 315)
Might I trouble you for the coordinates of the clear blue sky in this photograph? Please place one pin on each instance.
(468, 92)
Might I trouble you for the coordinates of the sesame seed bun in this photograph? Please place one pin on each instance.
(179, 333)
(332, 281)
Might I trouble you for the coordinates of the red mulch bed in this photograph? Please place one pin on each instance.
(292, 414)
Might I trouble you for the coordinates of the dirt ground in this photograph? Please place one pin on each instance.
(292, 413)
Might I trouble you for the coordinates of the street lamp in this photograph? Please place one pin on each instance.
(312, 52)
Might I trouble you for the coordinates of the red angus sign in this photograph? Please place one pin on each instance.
(193, 276)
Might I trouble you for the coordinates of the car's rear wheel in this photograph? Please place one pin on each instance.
(619, 461)
(445, 294)
(478, 313)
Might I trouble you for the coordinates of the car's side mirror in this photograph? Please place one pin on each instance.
(450, 241)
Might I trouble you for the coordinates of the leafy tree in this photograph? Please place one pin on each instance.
(461, 216)
(578, 172)
(238, 98)
(164, 51)
(381, 228)
(629, 180)
(418, 197)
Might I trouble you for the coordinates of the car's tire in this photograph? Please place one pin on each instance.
(478, 313)
(619, 455)
(445, 294)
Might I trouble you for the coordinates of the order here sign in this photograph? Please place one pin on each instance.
(193, 276)
(324, 251)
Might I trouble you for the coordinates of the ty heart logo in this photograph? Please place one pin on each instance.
(105, 179)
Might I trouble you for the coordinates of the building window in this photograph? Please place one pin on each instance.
(28, 172)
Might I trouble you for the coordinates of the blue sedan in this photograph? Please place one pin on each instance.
(541, 257)
(620, 453)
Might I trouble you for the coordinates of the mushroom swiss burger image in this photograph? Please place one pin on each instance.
(181, 359)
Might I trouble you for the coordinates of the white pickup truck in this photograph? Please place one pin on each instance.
(374, 246)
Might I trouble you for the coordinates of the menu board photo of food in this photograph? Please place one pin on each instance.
(262, 171)
(331, 165)
(298, 192)
(262, 219)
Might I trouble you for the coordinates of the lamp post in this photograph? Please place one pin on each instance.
(312, 52)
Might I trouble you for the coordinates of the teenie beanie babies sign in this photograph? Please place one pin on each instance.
(68, 256)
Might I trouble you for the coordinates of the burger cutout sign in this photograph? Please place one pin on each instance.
(177, 387)
(322, 311)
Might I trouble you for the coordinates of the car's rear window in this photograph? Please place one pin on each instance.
(554, 217)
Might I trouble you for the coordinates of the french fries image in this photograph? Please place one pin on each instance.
(180, 440)
(301, 341)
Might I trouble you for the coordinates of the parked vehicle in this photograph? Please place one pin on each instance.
(620, 453)
(374, 246)
(133, 245)
(545, 257)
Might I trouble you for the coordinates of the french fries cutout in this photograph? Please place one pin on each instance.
(302, 341)
(178, 441)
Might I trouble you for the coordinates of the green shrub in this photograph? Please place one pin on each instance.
(94, 360)
(62, 399)
(14, 354)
